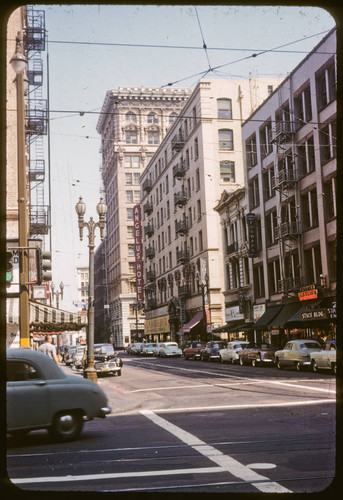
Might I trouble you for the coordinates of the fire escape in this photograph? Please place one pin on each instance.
(36, 121)
(285, 181)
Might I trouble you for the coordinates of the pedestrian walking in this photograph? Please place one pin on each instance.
(48, 348)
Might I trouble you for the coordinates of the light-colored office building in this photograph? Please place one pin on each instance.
(290, 162)
(201, 155)
(132, 124)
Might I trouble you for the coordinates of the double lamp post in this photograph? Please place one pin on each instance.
(101, 208)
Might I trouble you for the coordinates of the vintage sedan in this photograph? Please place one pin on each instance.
(257, 354)
(79, 357)
(136, 348)
(169, 349)
(230, 353)
(297, 353)
(211, 350)
(106, 360)
(192, 351)
(156, 349)
(68, 356)
(326, 358)
(41, 396)
(147, 349)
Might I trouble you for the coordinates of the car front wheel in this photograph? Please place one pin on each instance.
(67, 425)
(254, 361)
(298, 366)
(241, 361)
(278, 364)
(314, 366)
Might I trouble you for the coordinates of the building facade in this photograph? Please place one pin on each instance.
(290, 168)
(132, 124)
(201, 155)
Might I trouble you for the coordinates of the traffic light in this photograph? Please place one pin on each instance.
(43, 260)
(9, 267)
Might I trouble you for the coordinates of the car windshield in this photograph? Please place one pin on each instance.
(150, 345)
(104, 349)
(172, 344)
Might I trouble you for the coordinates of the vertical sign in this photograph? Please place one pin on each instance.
(138, 252)
(251, 221)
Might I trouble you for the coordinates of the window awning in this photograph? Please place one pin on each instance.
(311, 313)
(45, 318)
(286, 312)
(192, 323)
(244, 327)
(267, 317)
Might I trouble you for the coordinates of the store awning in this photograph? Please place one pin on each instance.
(45, 318)
(286, 312)
(267, 317)
(314, 312)
(244, 327)
(192, 323)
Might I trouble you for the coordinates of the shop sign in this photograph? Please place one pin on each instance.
(308, 294)
(258, 310)
(251, 222)
(232, 313)
(138, 252)
(332, 311)
(314, 314)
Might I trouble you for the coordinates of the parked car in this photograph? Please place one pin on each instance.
(128, 348)
(136, 348)
(211, 350)
(156, 350)
(68, 357)
(326, 358)
(106, 359)
(297, 353)
(192, 351)
(41, 396)
(79, 357)
(230, 353)
(169, 349)
(147, 349)
(257, 354)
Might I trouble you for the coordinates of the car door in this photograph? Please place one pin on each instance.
(286, 354)
(27, 395)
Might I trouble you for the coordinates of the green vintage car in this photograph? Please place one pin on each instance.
(41, 396)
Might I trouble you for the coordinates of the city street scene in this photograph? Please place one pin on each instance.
(171, 235)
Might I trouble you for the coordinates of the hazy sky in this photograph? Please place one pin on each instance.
(93, 49)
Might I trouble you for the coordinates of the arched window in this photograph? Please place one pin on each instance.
(225, 137)
(131, 117)
(172, 117)
(224, 109)
(152, 118)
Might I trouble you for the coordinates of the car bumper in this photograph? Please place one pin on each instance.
(266, 360)
(106, 367)
(106, 410)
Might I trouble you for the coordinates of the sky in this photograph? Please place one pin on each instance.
(95, 48)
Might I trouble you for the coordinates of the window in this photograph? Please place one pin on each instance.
(18, 371)
(326, 85)
(327, 141)
(131, 250)
(130, 232)
(224, 109)
(270, 89)
(199, 209)
(132, 267)
(136, 178)
(131, 117)
(312, 264)
(131, 137)
(129, 213)
(128, 179)
(302, 108)
(153, 138)
(129, 196)
(254, 197)
(132, 161)
(266, 146)
(200, 241)
(273, 276)
(309, 207)
(152, 118)
(306, 158)
(197, 179)
(225, 139)
(227, 171)
(251, 151)
(136, 196)
(271, 224)
(330, 199)
(267, 183)
(258, 281)
(172, 117)
(196, 149)
(332, 260)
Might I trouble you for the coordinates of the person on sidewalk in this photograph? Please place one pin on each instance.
(49, 349)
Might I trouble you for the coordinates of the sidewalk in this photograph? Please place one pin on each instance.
(118, 400)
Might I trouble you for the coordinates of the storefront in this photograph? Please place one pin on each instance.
(157, 329)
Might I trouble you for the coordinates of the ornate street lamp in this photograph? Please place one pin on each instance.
(18, 63)
(101, 209)
(203, 284)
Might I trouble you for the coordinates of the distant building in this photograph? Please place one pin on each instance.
(81, 303)
(132, 124)
(201, 155)
(290, 169)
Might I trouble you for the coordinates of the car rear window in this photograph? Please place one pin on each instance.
(18, 371)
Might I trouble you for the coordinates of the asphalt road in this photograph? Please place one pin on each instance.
(192, 426)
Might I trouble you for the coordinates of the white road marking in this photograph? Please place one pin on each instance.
(168, 388)
(116, 475)
(224, 461)
(261, 466)
(244, 406)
